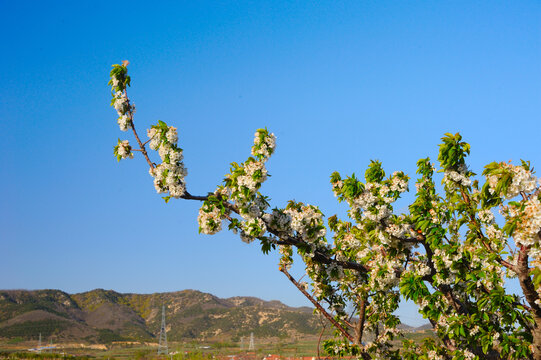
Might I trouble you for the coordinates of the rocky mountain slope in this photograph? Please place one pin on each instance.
(105, 315)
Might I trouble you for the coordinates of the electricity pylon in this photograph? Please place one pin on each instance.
(252, 346)
(162, 347)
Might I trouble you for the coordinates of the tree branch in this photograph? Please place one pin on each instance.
(528, 288)
(318, 306)
(141, 145)
(360, 325)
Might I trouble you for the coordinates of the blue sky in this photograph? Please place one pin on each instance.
(339, 83)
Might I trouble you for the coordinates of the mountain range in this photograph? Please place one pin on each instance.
(104, 316)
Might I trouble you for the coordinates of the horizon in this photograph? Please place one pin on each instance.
(193, 290)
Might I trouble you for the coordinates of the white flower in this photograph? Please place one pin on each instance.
(172, 135)
(305, 221)
(121, 103)
(523, 181)
(486, 216)
(209, 219)
(452, 177)
(264, 144)
(124, 122)
(171, 173)
(124, 149)
(529, 225)
(398, 184)
(248, 179)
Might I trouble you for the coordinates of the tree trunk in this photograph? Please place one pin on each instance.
(536, 342)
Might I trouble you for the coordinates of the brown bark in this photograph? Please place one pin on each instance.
(360, 325)
(523, 273)
(318, 306)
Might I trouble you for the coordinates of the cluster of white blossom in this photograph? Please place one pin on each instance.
(123, 149)
(399, 230)
(361, 255)
(376, 198)
(336, 187)
(255, 173)
(386, 335)
(242, 185)
(378, 212)
(338, 348)
(494, 233)
(123, 107)
(420, 184)
(124, 122)
(264, 144)
(460, 177)
(278, 221)
(285, 259)
(252, 213)
(366, 199)
(383, 272)
(443, 262)
(529, 221)
(495, 274)
(433, 355)
(254, 227)
(317, 289)
(434, 216)
(335, 272)
(486, 216)
(420, 268)
(468, 355)
(307, 221)
(398, 182)
(349, 241)
(209, 219)
(169, 175)
(522, 180)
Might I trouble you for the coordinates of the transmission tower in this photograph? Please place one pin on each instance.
(39, 343)
(242, 343)
(162, 347)
(251, 347)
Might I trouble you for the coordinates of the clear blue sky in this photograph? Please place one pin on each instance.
(339, 83)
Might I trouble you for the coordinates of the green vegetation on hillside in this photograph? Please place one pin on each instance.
(105, 316)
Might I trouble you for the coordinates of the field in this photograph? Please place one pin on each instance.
(285, 348)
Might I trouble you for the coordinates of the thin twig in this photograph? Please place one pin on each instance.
(141, 145)
(319, 340)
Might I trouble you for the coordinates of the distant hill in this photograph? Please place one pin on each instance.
(104, 316)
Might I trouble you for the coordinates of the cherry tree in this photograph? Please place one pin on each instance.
(450, 253)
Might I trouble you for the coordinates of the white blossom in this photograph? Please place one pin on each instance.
(124, 122)
(486, 216)
(124, 149)
(523, 180)
(169, 175)
(308, 222)
(209, 219)
(529, 225)
(451, 177)
(264, 144)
